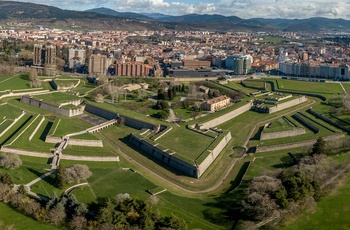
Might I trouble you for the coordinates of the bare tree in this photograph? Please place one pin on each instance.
(57, 215)
(258, 206)
(98, 98)
(78, 223)
(10, 161)
(264, 185)
(32, 74)
(153, 200)
(77, 172)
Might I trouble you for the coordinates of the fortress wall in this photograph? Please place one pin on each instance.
(81, 142)
(296, 144)
(54, 140)
(137, 124)
(214, 154)
(24, 93)
(100, 112)
(52, 108)
(226, 117)
(165, 157)
(286, 133)
(134, 123)
(287, 104)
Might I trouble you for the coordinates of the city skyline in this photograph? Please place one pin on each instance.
(240, 8)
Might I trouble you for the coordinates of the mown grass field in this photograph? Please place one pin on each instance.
(11, 218)
(332, 211)
(56, 98)
(15, 83)
(280, 124)
(186, 143)
(9, 112)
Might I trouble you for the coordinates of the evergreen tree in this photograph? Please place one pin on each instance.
(21, 189)
(319, 147)
(6, 179)
(60, 179)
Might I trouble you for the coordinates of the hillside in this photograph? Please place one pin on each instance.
(104, 19)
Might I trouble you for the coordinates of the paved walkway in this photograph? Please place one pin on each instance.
(40, 178)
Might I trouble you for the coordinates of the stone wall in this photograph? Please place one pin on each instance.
(226, 117)
(287, 104)
(54, 140)
(164, 156)
(134, 123)
(82, 142)
(52, 108)
(202, 167)
(100, 112)
(296, 144)
(286, 133)
(24, 93)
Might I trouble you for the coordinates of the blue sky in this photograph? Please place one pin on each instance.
(241, 8)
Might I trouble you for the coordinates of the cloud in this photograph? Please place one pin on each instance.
(240, 8)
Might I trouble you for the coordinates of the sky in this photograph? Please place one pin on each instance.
(289, 9)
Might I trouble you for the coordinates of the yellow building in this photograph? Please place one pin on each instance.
(216, 103)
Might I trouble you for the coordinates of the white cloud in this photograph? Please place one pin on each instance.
(240, 8)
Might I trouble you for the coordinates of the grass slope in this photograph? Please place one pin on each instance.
(332, 212)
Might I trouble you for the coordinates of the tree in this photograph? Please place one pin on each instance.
(78, 223)
(10, 161)
(61, 179)
(264, 185)
(98, 98)
(5, 192)
(22, 189)
(258, 206)
(77, 172)
(319, 147)
(173, 222)
(31, 207)
(56, 215)
(6, 179)
(32, 74)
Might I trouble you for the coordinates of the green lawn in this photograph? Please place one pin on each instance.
(279, 124)
(14, 129)
(15, 83)
(237, 86)
(10, 112)
(70, 125)
(332, 211)
(66, 82)
(258, 84)
(11, 217)
(325, 89)
(186, 143)
(4, 124)
(56, 98)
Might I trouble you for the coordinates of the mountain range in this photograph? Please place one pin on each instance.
(104, 18)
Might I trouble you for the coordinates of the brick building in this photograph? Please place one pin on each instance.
(134, 69)
(195, 64)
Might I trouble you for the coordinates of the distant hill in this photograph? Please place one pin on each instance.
(104, 19)
(156, 15)
(49, 16)
(114, 13)
(201, 18)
